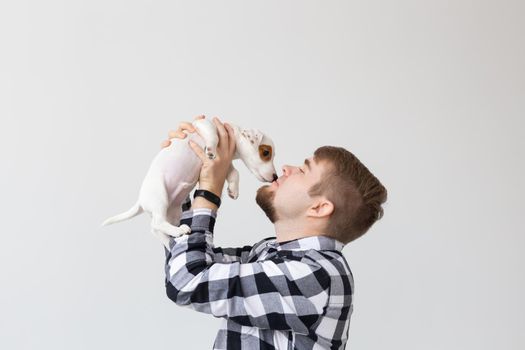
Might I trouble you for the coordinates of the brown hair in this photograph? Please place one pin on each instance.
(355, 192)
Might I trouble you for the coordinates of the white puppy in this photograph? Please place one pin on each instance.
(175, 170)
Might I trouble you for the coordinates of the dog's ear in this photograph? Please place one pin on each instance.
(254, 136)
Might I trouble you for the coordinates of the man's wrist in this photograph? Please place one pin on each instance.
(216, 190)
(201, 202)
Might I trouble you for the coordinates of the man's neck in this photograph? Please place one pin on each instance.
(293, 229)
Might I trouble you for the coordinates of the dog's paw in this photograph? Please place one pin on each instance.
(233, 193)
(209, 152)
(185, 229)
(178, 231)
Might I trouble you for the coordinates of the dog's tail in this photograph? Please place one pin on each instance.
(133, 211)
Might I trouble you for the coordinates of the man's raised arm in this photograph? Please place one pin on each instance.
(228, 254)
(282, 293)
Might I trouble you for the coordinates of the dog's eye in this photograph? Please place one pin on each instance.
(265, 152)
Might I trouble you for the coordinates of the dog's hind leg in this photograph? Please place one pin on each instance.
(160, 222)
(157, 205)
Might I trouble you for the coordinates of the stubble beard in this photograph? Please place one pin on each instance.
(264, 199)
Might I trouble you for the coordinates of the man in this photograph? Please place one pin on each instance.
(291, 291)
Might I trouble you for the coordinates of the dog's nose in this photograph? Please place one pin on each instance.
(275, 177)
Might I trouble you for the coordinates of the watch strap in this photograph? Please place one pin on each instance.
(212, 197)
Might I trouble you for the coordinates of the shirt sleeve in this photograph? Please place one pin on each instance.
(281, 293)
(229, 254)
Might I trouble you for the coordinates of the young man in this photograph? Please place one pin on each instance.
(291, 291)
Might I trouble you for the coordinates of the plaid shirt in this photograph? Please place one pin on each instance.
(288, 295)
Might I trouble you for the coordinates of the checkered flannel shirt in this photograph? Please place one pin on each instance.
(289, 295)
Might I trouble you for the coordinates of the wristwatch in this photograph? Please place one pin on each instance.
(212, 197)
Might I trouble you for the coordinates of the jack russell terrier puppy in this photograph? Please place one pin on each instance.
(175, 170)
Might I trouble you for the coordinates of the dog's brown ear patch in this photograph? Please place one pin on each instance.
(265, 152)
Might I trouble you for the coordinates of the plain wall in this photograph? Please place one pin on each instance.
(429, 95)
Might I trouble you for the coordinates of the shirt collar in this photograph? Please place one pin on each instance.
(312, 242)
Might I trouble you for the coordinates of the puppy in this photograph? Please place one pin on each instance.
(175, 170)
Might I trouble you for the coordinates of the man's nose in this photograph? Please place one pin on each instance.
(287, 170)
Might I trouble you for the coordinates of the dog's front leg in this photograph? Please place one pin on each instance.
(208, 132)
(233, 182)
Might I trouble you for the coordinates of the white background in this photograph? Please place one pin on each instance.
(428, 94)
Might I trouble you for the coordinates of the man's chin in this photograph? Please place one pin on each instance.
(264, 199)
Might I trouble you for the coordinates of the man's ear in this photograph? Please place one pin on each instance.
(322, 207)
(254, 136)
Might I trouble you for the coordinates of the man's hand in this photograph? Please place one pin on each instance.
(214, 171)
(179, 133)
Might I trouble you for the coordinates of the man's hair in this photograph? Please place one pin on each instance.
(355, 192)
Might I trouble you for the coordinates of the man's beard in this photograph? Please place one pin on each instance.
(264, 199)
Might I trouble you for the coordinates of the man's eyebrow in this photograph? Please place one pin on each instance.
(307, 162)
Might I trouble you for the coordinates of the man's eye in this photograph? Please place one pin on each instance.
(301, 170)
